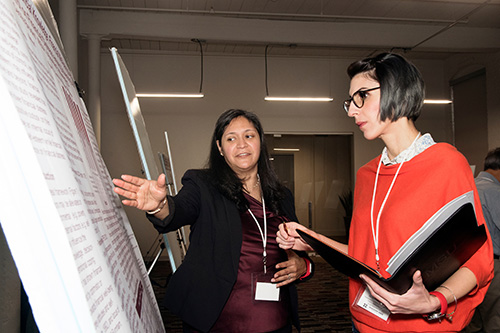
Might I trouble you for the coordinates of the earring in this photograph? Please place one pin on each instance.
(221, 154)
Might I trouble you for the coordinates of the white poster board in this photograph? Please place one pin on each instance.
(71, 241)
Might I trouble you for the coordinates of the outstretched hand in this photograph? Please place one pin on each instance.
(416, 300)
(141, 193)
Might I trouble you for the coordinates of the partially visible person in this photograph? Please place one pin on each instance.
(234, 277)
(395, 194)
(487, 315)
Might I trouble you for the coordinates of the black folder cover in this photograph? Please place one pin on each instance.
(438, 257)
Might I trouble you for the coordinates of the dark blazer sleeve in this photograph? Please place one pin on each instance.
(201, 285)
(288, 205)
(184, 207)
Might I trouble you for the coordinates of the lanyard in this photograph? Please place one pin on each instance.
(375, 228)
(263, 235)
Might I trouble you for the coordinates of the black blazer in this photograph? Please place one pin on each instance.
(201, 285)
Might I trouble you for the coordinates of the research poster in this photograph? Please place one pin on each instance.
(72, 243)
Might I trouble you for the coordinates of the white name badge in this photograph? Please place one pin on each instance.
(367, 302)
(265, 291)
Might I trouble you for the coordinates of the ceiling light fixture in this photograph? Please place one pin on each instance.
(171, 95)
(290, 99)
(299, 99)
(180, 95)
(437, 101)
(286, 149)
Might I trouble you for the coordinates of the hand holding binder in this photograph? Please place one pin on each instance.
(444, 243)
(288, 238)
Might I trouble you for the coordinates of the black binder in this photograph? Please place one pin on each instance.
(437, 257)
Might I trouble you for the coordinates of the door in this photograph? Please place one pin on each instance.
(317, 169)
(470, 118)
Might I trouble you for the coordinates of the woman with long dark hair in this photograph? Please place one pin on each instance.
(234, 277)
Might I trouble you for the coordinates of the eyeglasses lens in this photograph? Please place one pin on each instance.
(347, 104)
(358, 99)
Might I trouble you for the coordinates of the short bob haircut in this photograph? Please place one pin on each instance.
(492, 160)
(402, 89)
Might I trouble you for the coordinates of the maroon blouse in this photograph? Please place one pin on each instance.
(242, 313)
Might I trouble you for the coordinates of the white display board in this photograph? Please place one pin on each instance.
(72, 243)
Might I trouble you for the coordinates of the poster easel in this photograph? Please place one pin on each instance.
(143, 145)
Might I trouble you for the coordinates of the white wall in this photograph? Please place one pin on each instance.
(237, 82)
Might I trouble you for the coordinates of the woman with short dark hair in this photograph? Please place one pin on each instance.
(395, 194)
(402, 89)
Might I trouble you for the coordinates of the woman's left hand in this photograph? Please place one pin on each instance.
(290, 270)
(416, 300)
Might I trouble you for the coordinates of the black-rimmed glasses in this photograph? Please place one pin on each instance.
(358, 98)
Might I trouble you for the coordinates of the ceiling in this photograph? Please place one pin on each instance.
(331, 28)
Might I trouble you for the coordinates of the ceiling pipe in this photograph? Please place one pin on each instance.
(312, 17)
(451, 25)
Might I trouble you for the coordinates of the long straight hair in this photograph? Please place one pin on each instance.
(226, 180)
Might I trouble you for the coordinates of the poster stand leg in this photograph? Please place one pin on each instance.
(162, 247)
